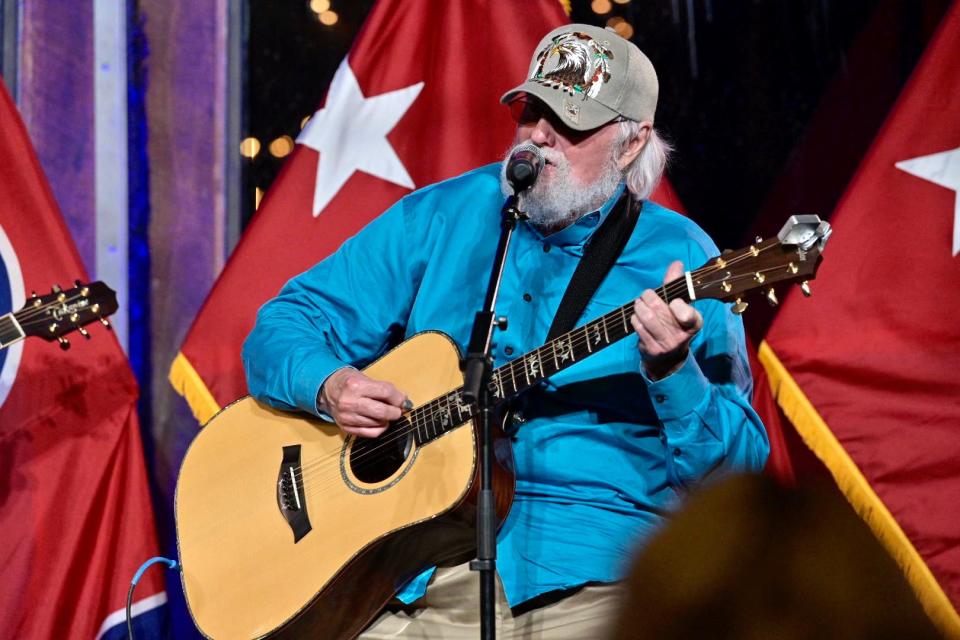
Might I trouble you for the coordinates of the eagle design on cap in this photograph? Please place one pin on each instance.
(582, 64)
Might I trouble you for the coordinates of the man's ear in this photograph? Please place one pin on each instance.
(635, 145)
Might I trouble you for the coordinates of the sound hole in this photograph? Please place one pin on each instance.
(376, 459)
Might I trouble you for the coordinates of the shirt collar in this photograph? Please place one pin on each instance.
(578, 232)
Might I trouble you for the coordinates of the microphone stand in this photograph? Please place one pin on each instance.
(477, 367)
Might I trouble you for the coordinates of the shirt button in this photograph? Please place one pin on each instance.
(508, 351)
(527, 297)
(676, 453)
(660, 398)
(546, 248)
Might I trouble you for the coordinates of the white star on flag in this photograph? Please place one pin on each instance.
(350, 133)
(942, 169)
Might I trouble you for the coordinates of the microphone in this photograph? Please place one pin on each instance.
(523, 167)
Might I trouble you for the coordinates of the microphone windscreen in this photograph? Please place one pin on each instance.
(523, 167)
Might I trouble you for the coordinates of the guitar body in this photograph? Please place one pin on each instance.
(321, 555)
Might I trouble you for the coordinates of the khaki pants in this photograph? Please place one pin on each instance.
(450, 610)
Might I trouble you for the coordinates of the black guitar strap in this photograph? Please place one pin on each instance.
(603, 249)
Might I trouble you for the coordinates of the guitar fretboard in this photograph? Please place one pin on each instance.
(438, 416)
(10, 331)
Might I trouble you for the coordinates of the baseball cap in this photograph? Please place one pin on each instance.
(589, 76)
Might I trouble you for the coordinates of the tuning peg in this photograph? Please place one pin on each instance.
(56, 288)
(772, 297)
(64, 343)
(805, 287)
(739, 306)
(106, 323)
(77, 283)
(35, 298)
(84, 332)
(758, 239)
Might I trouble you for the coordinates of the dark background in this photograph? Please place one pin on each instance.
(770, 104)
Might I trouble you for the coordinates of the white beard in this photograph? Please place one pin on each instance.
(558, 199)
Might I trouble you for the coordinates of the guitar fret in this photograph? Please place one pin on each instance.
(414, 419)
(498, 384)
(420, 427)
(446, 419)
(603, 321)
(623, 314)
(534, 366)
(426, 420)
(10, 330)
(463, 411)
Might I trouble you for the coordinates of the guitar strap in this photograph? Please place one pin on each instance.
(603, 249)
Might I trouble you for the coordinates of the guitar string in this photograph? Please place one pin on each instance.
(421, 418)
(426, 414)
(430, 408)
(575, 341)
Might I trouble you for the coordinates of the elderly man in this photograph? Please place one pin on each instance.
(602, 449)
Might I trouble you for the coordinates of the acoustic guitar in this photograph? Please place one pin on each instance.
(286, 527)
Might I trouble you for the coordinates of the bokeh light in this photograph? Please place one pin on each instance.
(601, 6)
(249, 147)
(281, 147)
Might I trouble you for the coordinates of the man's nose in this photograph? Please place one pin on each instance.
(543, 134)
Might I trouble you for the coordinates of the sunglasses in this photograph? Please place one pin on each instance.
(528, 111)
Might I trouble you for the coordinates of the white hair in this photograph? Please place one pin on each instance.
(643, 174)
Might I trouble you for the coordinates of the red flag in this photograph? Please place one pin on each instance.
(868, 369)
(415, 102)
(75, 514)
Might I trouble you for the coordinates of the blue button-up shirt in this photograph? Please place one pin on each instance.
(601, 452)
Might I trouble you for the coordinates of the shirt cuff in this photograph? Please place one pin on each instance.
(680, 392)
(309, 379)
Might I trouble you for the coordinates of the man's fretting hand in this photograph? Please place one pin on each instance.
(665, 331)
(360, 405)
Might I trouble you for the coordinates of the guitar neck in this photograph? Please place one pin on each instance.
(792, 256)
(10, 331)
(566, 350)
(438, 416)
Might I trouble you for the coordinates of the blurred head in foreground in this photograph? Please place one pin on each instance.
(750, 559)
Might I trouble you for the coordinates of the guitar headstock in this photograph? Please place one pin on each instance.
(60, 312)
(792, 256)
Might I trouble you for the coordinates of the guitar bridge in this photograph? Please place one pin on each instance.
(290, 496)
